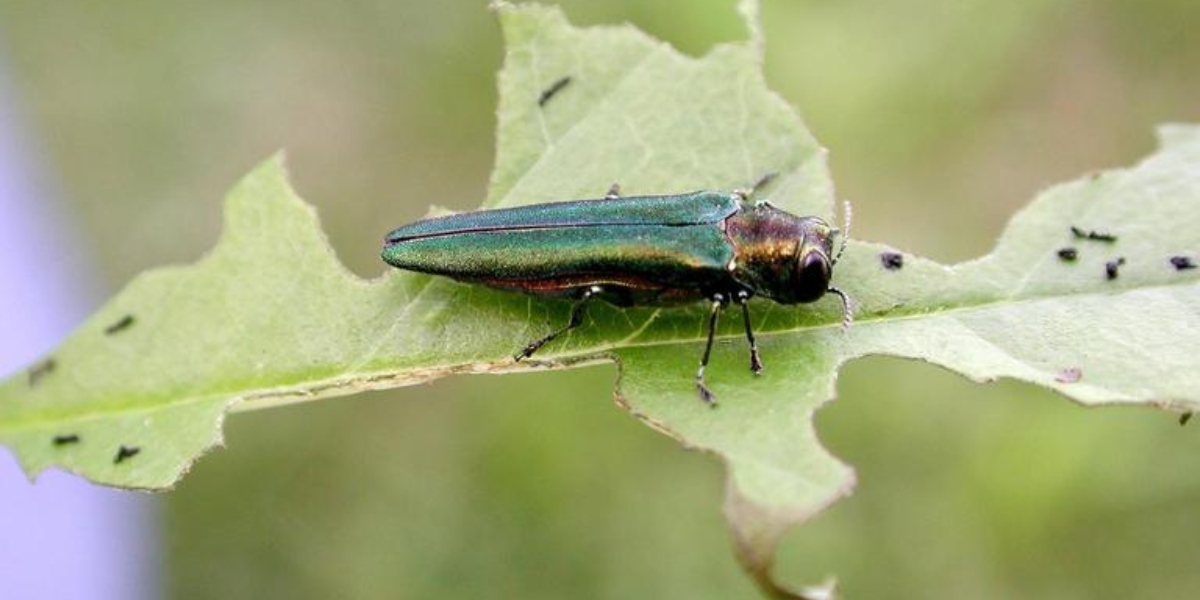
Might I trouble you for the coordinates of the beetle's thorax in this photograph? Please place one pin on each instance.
(769, 247)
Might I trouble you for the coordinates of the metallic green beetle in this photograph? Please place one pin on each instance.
(637, 250)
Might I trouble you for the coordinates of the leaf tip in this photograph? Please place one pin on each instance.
(751, 13)
(523, 21)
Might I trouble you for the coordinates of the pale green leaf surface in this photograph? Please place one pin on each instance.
(271, 316)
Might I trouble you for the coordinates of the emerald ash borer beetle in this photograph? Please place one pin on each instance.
(633, 251)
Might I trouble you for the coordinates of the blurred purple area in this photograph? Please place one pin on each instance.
(61, 538)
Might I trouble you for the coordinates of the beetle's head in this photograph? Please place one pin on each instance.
(786, 258)
(812, 265)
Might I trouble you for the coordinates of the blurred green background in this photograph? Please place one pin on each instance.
(942, 119)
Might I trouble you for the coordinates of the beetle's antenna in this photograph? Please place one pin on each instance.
(847, 216)
(847, 315)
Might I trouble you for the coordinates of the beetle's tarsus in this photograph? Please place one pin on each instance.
(529, 350)
(706, 394)
(614, 192)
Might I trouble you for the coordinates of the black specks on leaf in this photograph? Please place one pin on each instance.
(124, 323)
(1182, 263)
(1068, 254)
(1069, 375)
(553, 90)
(124, 453)
(63, 440)
(1112, 267)
(892, 261)
(1092, 235)
(40, 370)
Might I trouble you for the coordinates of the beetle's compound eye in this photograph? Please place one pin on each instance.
(812, 276)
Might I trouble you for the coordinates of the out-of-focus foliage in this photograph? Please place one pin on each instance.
(941, 118)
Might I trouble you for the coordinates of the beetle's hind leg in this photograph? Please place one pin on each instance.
(575, 321)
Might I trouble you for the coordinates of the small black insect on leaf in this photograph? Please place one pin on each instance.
(1185, 417)
(1182, 263)
(124, 453)
(553, 90)
(40, 370)
(1111, 267)
(1068, 254)
(63, 440)
(124, 323)
(892, 261)
(1092, 235)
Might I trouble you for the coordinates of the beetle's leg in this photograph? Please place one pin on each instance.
(614, 192)
(576, 321)
(713, 311)
(764, 181)
(847, 316)
(755, 360)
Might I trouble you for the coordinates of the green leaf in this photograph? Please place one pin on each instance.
(1020, 312)
(271, 316)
